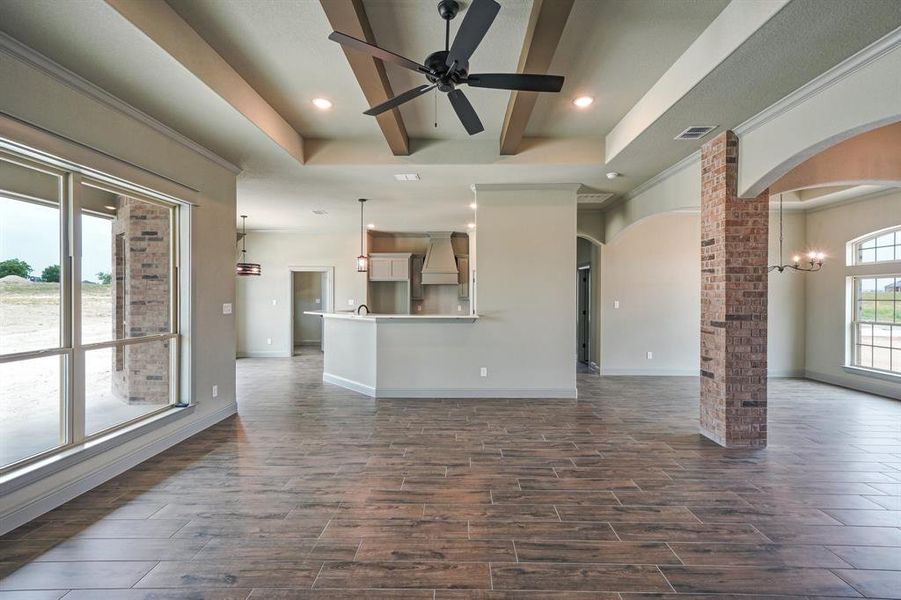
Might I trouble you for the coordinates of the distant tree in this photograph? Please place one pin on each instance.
(14, 266)
(104, 278)
(51, 274)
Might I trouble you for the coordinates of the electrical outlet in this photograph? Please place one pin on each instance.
(650, 355)
(459, 308)
(419, 308)
(215, 391)
(318, 300)
(227, 308)
(616, 304)
(269, 341)
(484, 372)
(350, 302)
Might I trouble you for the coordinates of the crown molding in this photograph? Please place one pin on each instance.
(663, 175)
(35, 59)
(847, 67)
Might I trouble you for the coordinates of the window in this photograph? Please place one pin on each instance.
(883, 246)
(88, 344)
(876, 325)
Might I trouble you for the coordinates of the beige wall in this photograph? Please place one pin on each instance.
(653, 269)
(786, 306)
(53, 106)
(264, 302)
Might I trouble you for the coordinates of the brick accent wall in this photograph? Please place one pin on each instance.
(141, 293)
(734, 248)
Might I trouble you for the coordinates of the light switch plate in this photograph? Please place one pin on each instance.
(215, 391)
(650, 355)
(484, 372)
(616, 304)
(350, 302)
(318, 300)
(227, 308)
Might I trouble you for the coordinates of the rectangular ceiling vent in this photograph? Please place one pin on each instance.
(696, 132)
(320, 211)
(407, 177)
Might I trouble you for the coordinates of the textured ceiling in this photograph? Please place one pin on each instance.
(611, 49)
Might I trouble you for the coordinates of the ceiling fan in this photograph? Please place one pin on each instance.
(448, 68)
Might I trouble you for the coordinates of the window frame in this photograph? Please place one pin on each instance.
(853, 334)
(72, 374)
(854, 248)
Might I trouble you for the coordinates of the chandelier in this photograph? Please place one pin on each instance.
(244, 268)
(812, 262)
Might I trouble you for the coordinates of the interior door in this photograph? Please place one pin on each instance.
(584, 325)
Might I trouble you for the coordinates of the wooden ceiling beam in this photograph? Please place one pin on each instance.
(349, 16)
(159, 22)
(543, 34)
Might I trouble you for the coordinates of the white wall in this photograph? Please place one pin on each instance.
(54, 106)
(653, 269)
(786, 297)
(258, 318)
(830, 229)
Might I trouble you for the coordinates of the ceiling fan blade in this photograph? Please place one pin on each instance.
(396, 59)
(465, 112)
(399, 99)
(524, 82)
(478, 19)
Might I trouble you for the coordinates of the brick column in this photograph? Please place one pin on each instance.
(733, 301)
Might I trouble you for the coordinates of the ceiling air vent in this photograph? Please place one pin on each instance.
(320, 211)
(696, 132)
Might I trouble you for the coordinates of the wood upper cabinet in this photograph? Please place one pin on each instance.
(416, 276)
(393, 266)
(463, 279)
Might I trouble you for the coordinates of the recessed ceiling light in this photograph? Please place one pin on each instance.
(583, 101)
(473, 205)
(407, 176)
(613, 175)
(322, 103)
(371, 226)
(471, 225)
(108, 207)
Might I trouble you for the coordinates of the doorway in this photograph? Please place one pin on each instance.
(584, 316)
(311, 291)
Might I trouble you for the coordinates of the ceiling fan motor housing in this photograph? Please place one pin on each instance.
(441, 73)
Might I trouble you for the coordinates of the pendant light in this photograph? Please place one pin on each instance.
(814, 259)
(244, 268)
(362, 260)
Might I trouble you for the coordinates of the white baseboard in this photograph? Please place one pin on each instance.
(377, 392)
(530, 393)
(860, 383)
(786, 374)
(264, 354)
(349, 384)
(19, 515)
(652, 372)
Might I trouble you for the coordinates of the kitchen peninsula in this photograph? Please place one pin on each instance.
(418, 285)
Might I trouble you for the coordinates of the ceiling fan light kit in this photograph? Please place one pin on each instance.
(446, 69)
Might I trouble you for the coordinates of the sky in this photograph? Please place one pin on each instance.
(30, 232)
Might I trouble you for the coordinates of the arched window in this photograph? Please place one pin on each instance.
(882, 246)
(876, 302)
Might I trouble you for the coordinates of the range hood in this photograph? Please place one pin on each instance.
(440, 265)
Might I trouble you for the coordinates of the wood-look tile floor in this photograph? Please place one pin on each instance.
(314, 492)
